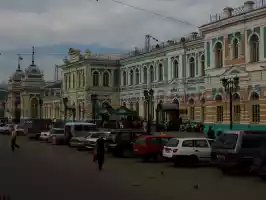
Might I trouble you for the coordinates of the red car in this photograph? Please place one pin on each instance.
(150, 147)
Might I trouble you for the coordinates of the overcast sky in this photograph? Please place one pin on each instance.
(25, 23)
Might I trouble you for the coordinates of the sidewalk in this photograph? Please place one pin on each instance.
(183, 134)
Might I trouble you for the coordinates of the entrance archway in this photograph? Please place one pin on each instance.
(34, 108)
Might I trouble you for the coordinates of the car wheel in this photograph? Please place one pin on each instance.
(192, 161)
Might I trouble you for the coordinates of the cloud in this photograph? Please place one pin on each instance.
(42, 23)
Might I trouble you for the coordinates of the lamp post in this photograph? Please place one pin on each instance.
(148, 95)
(65, 101)
(230, 85)
(94, 100)
(40, 104)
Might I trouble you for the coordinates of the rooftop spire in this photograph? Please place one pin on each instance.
(19, 59)
(32, 62)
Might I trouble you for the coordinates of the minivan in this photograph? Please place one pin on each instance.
(237, 150)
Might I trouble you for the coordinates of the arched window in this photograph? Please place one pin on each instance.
(137, 76)
(105, 79)
(191, 109)
(175, 69)
(202, 65)
(95, 78)
(124, 78)
(235, 49)
(254, 48)
(203, 113)
(34, 108)
(255, 107)
(145, 75)
(131, 77)
(236, 107)
(160, 74)
(151, 74)
(219, 55)
(145, 110)
(219, 108)
(192, 67)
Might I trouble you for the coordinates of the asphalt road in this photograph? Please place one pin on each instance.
(42, 171)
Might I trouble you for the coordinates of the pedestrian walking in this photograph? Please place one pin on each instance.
(100, 153)
(13, 139)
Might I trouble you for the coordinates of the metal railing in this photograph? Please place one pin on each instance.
(237, 11)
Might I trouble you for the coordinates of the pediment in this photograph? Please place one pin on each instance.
(235, 70)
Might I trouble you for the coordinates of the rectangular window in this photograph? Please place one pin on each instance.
(236, 111)
(256, 113)
(192, 113)
(219, 114)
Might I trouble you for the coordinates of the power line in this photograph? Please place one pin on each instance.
(154, 13)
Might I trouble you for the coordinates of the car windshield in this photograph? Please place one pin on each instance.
(82, 134)
(85, 127)
(225, 141)
(172, 143)
(58, 131)
(98, 135)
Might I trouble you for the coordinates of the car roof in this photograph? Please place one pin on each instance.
(156, 136)
(79, 123)
(192, 138)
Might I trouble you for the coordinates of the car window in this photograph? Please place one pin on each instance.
(187, 143)
(201, 143)
(172, 143)
(165, 140)
(141, 141)
(155, 141)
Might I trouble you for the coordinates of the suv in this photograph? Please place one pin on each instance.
(238, 150)
(150, 147)
(189, 151)
(121, 143)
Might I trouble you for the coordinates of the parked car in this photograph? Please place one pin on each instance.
(47, 135)
(79, 140)
(121, 143)
(91, 139)
(19, 130)
(44, 136)
(188, 151)
(57, 136)
(6, 129)
(238, 150)
(150, 147)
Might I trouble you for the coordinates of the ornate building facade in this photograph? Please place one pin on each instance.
(87, 74)
(188, 71)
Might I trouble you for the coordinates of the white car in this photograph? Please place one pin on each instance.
(6, 129)
(188, 150)
(19, 130)
(44, 136)
(91, 140)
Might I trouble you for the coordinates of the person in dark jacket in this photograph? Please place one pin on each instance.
(211, 133)
(68, 136)
(100, 153)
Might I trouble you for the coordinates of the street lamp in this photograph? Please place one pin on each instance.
(230, 85)
(94, 100)
(40, 104)
(148, 95)
(65, 101)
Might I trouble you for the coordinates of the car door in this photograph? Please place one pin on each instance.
(202, 149)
